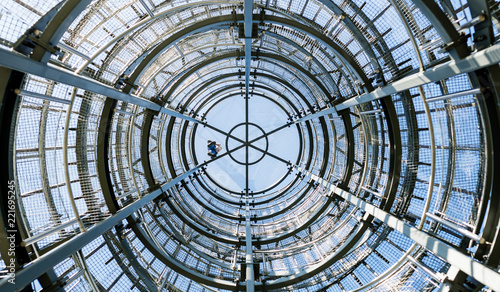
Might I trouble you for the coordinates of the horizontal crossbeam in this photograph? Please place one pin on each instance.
(482, 59)
(19, 62)
(464, 262)
(49, 260)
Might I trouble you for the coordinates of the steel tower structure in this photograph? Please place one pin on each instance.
(359, 141)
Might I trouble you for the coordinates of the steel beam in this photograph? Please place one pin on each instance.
(143, 273)
(454, 257)
(46, 262)
(174, 264)
(482, 59)
(395, 153)
(350, 155)
(489, 214)
(248, 8)
(20, 63)
(456, 42)
(148, 10)
(102, 153)
(250, 279)
(144, 148)
(57, 26)
(173, 113)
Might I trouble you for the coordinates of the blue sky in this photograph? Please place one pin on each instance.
(268, 116)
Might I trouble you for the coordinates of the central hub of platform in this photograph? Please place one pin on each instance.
(254, 132)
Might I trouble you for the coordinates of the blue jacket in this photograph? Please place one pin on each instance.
(212, 148)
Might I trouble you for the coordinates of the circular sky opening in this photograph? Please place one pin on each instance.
(270, 144)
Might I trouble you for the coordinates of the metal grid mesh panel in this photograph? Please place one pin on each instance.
(408, 278)
(43, 195)
(47, 189)
(425, 34)
(340, 151)
(16, 17)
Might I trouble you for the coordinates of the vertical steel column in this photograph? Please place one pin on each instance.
(129, 152)
(489, 252)
(248, 9)
(144, 147)
(249, 252)
(250, 281)
(349, 136)
(8, 110)
(102, 154)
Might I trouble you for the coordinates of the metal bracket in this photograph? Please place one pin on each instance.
(255, 31)
(450, 46)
